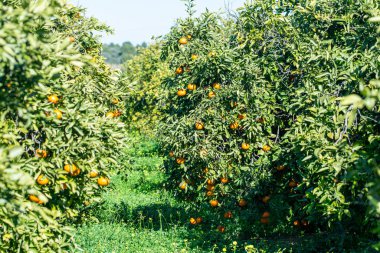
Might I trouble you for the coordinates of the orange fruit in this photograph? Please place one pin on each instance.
(179, 71)
(171, 154)
(188, 37)
(264, 220)
(296, 223)
(194, 57)
(71, 169)
(224, 180)
(71, 39)
(193, 221)
(266, 199)
(244, 146)
(199, 220)
(221, 229)
(53, 99)
(214, 203)
(183, 41)
(40, 153)
(110, 115)
(280, 168)
(205, 170)
(34, 198)
(266, 148)
(265, 214)
(191, 86)
(216, 86)
(211, 94)
(180, 160)
(210, 182)
(209, 194)
(234, 125)
(292, 183)
(210, 187)
(199, 125)
(181, 92)
(242, 116)
(242, 203)
(103, 181)
(228, 215)
(183, 186)
(93, 174)
(58, 113)
(42, 180)
(117, 113)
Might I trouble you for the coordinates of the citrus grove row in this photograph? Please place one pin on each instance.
(59, 122)
(268, 119)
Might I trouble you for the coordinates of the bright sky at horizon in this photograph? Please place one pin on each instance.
(138, 21)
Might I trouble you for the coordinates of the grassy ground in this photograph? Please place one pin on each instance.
(138, 215)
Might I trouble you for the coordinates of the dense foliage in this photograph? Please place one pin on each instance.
(260, 127)
(59, 109)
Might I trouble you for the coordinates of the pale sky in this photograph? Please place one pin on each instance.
(137, 21)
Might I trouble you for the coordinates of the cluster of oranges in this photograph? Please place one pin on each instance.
(71, 169)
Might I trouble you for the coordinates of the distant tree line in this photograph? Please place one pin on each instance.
(118, 54)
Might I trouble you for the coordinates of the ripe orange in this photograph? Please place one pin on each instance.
(209, 193)
(265, 214)
(183, 41)
(210, 181)
(199, 220)
(171, 154)
(191, 86)
(266, 148)
(180, 160)
(280, 168)
(117, 113)
(71, 39)
(224, 180)
(244, 146)
(199, 125)
(110, 115)
(266, 199)
(264, 220)
(216, 86)
(103, 181)
(181, 92)
(58, 113)
(214, 203)
(40, 153)
(53, 99)
(71, 169)
(183, 185)
(211, 94)
(35, 199)
(188, 37)
(94, 174)
(234, 125)
(193, 221)
(228, 215)
(194, 57)
(242, 203)
(221, 229)
(292, 183)
(42, 180)
(296, 223)
(210, 187)
(242, 116)
(179, 71)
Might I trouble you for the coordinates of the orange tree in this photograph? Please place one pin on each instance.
(61, 104)
(143, 75)
(254, 128)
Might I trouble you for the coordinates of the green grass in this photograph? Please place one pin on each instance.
(137, 214)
